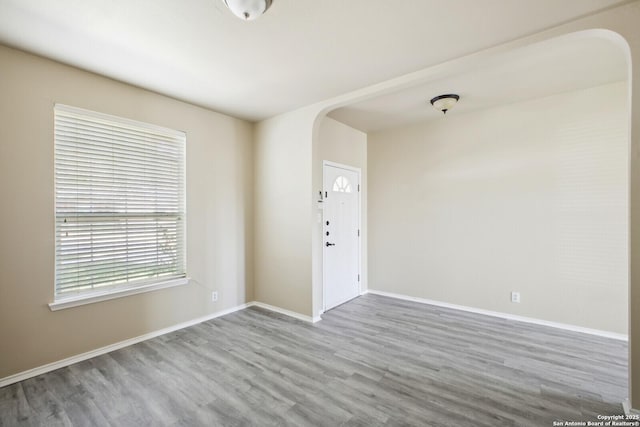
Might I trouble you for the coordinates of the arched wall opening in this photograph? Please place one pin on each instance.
(478, 60)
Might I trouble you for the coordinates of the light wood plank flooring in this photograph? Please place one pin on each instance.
(373, 361)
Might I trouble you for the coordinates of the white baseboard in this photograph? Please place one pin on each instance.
(20, 376)
(628, 410)
(289, 313)
(532, 320)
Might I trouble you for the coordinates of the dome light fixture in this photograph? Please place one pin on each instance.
(444, 102)
(248, 10)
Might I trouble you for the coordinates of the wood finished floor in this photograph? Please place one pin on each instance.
(373, 361)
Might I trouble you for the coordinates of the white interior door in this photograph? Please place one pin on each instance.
(341, 234)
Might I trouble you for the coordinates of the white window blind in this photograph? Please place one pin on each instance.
(120, 203)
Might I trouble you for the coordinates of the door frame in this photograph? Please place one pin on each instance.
(359, 215)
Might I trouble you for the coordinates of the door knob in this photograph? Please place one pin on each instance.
(329, 244)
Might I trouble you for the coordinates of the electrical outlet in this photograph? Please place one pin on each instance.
(515, 296)
(214, 296)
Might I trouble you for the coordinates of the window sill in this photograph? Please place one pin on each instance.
(105, 296)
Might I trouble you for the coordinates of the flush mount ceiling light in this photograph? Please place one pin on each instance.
(444, 102)
(248, 9)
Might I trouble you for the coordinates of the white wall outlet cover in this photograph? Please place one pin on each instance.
(214, 296)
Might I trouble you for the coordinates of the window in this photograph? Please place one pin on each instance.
(342, 185)
(120, 206)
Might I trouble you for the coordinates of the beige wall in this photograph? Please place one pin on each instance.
(283, 202)
(530, 197)
(219, 222)
(44, 82)
(339, 143)
(301, 128)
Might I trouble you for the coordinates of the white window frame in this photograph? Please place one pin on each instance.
(135, 287)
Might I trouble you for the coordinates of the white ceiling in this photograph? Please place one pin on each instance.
(298, 53)
(543, 69)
